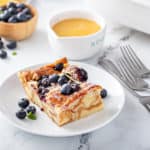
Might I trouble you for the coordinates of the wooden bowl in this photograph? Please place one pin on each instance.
(19, 31)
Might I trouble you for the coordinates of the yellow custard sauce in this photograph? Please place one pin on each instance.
(76, 27)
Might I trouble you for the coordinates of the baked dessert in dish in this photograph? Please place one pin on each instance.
(61, 90)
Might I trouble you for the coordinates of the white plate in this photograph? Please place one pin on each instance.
(11, 91)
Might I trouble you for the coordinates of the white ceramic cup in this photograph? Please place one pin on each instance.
(77, 47)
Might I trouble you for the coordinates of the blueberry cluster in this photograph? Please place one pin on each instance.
(10, 45)
(26, 110)
(15, 12)
(67, 86)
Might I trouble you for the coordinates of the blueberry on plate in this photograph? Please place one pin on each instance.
(13, 19)
(82, 74)
(67, 89)
(3, 54)
(63, 79)
(21, 114)
(23, 103)
(31, 109)
(53, 78)
(44, 91)
(75, 87)
(103, 93)
(40, 89)
(44, 82)
(59, 67)
(1, 44)
(11, 44)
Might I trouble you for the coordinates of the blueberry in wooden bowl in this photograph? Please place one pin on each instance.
(17, 21)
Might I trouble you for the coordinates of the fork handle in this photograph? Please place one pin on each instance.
(146, 75)
(144, 89)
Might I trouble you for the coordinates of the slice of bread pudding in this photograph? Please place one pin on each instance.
(62, 91)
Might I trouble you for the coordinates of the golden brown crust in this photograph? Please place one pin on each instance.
(28, 75)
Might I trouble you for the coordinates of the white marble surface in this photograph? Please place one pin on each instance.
(130, 131)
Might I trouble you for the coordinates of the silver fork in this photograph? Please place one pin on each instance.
(144, 100)
(133, 82)
(136, 65)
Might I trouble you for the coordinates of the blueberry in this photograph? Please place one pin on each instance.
(45, 82)
(82, 74)
(21, 114)
(42, 97)
(12, 10)
(66, 89)
(28, 16)
(44, 76)
(1, 44)
(75, 87)
(103, 93)
(12, 45)
(53, 78)
(21, 17)
(23, 103)
(11, 5)
(21, 5)
(63, 79)
(26, 11)
(3, 54)
(59, 67)
(42, 90)
(5, 16)
(13, 19)
(31, 109)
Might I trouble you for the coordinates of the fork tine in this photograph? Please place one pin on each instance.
(127, 57)
(128, 73)
(135, 57)
(128, 67)
(124, 74)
